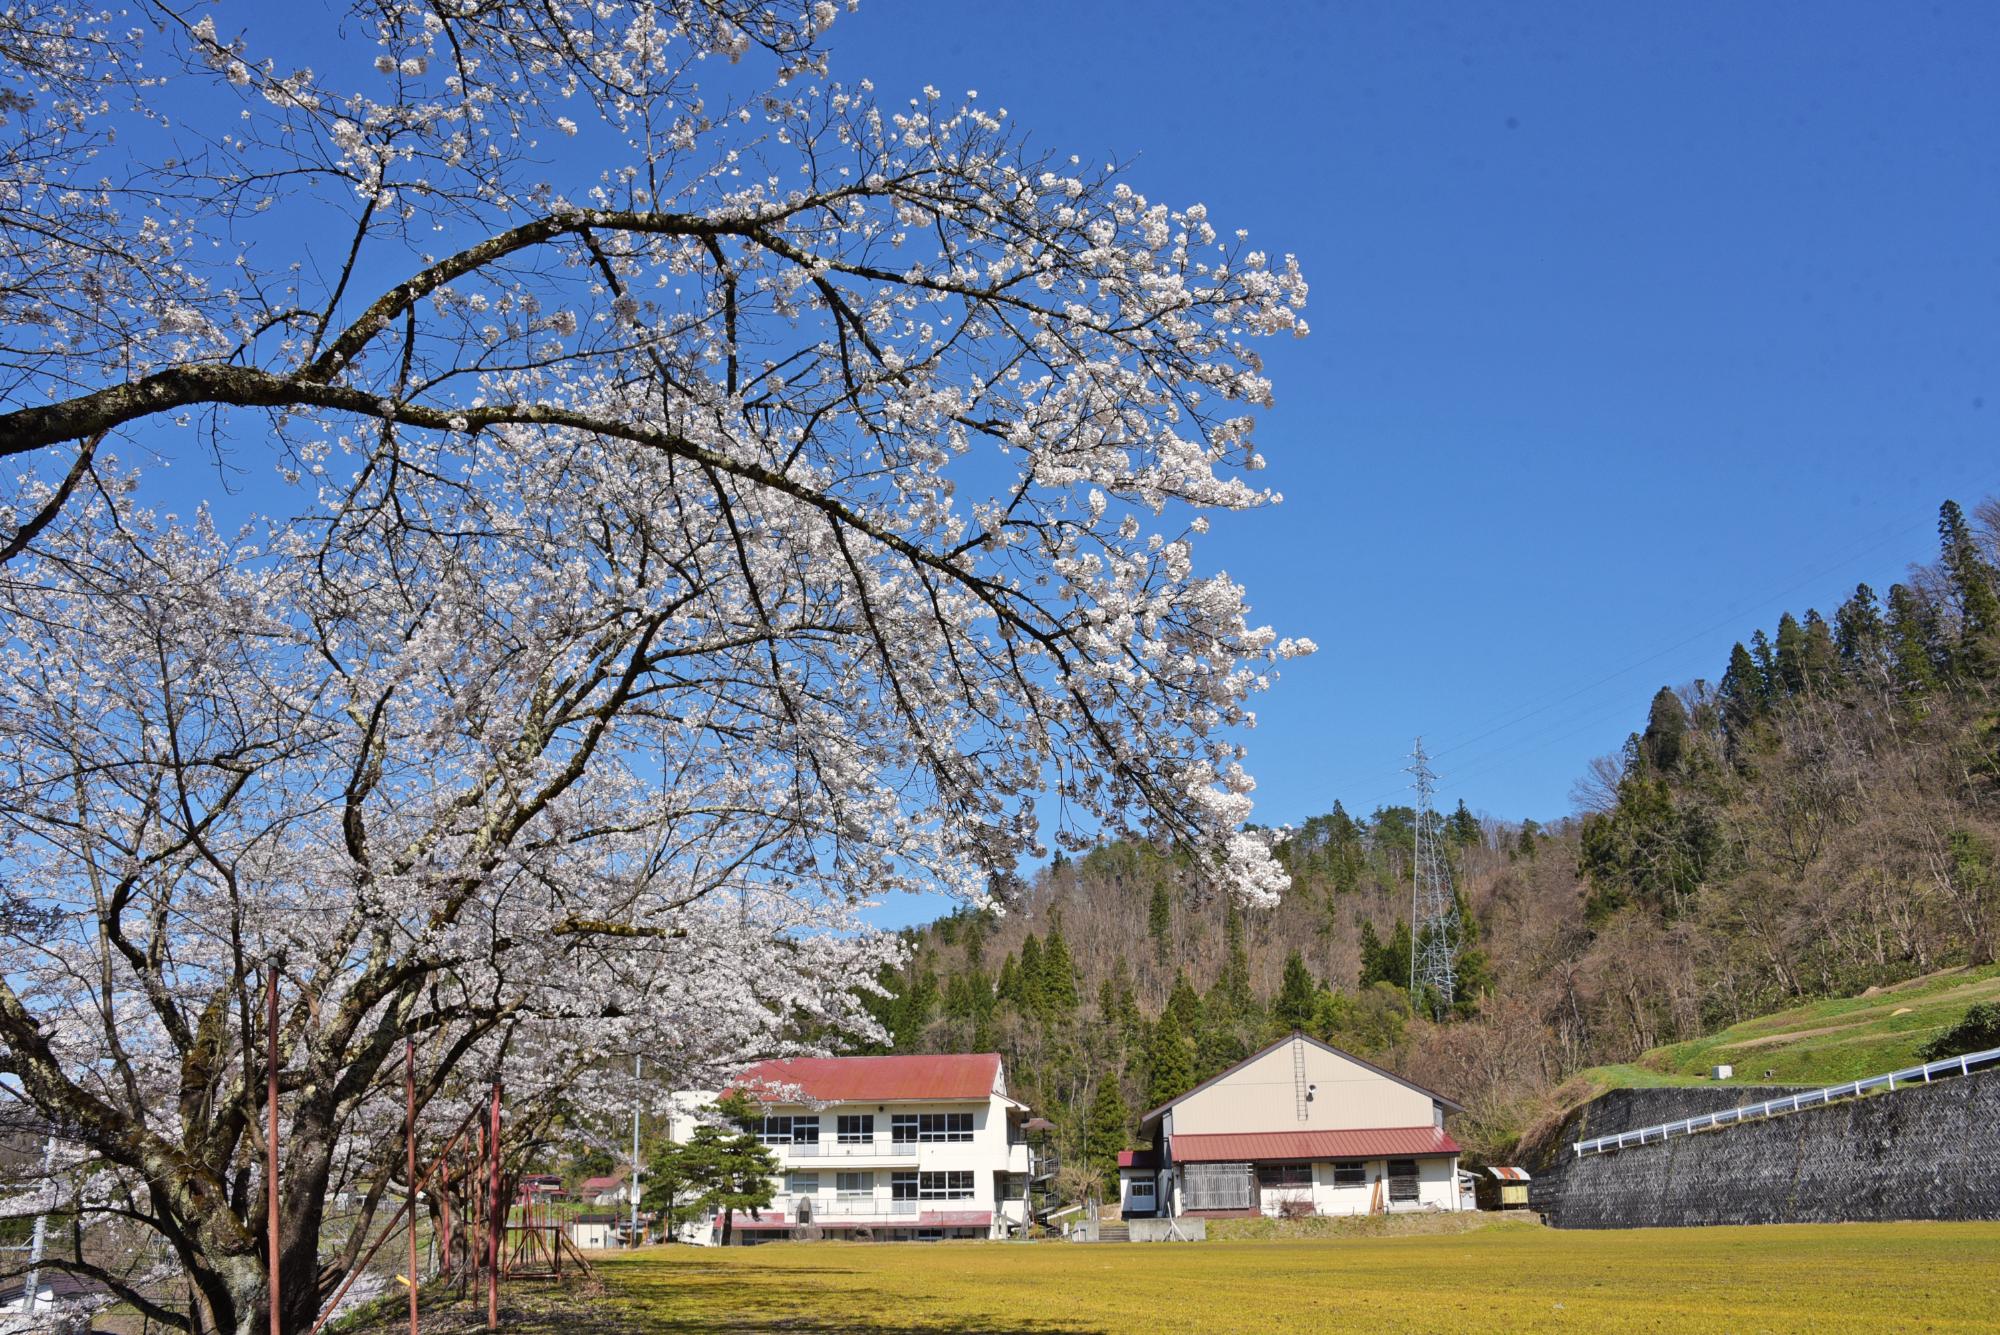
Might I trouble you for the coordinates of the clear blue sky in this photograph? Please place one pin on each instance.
(1633, 326)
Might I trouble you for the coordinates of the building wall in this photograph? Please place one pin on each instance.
(1263, 1096)
(987, 1156)
(1925, 1152)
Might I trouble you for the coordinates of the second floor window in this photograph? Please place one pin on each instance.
(907, 1128)
(856, 1128)
(854, 1185)
(902, 1186)
(789, 1131)
(802, 1184)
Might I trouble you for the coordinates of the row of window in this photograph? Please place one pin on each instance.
(1347, 1173)
(955, 1185)
(859, 1128)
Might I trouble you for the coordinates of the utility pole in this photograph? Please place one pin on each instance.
(1433, 907)
(30, 1296)
(271, 1140)
(633, 1185)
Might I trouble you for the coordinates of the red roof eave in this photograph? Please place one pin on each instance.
(941, 1077)
(1311, 1146)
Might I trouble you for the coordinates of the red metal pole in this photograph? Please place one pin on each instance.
(410, 1144)
(271, 1142)
(445, 1233)
(498, 1224)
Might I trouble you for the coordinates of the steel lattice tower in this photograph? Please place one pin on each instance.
(1433, 907)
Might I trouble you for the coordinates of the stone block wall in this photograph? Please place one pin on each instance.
(1926, 1152)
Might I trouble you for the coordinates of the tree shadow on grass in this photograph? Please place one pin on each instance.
(712, 1303)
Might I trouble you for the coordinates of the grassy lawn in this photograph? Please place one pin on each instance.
(1821, 1043)
(1507, 1276)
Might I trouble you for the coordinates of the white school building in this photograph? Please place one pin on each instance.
(887, 1149)
(1300, 1127)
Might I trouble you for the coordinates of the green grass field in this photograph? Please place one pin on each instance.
(1509, 1276)
(1821, 1043)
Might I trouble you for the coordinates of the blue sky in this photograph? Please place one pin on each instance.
(1633, 326)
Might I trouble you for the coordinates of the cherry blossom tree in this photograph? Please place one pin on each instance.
(680, 513)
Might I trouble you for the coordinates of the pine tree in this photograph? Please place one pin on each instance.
(1742, 693)
(1106, 1131)
(1791, 656)
(1160, 916)
(1975, 588)
(1462, 826)
(1028, 981)
(1296, 995)
(1008, 989)
(1665, 737)
(1169, 1059)
(1859, 634)
(1182, 1004)
(1820, 659)
(1059, 998)
(1525, 838)
(736, 1166)
(1912, 640)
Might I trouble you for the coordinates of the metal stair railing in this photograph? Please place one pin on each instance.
(1810, 1098)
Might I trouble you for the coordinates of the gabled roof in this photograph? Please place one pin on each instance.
(1138, 1158)
(939, 1076)
(1269, 1048)
(1272, 1146)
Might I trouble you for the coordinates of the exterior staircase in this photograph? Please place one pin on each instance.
(1109, 1231)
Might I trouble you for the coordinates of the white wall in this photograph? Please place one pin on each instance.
(1263, 1096)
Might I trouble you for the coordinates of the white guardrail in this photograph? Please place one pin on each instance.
(1810, 1098)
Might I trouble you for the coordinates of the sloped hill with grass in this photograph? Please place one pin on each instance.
(1820, 1043)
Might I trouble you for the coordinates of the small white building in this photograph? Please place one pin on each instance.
(595, 1232)
(909, 1148)
(1299, 1127)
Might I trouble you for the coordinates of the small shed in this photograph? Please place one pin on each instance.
(1503, 1189)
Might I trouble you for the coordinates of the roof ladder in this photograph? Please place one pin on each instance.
(1299, 1085)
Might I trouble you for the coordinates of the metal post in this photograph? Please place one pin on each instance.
(30, 1296)
(634, 1184)
(496, 1221)
(271, 1142)
(410, 1147)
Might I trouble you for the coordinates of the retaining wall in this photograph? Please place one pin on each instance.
(1923, 1152)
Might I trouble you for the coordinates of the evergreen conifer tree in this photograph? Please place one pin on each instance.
(1791, 656)
(1912, 640)
(1462, 826)
(1160, 914)
(1859, 634)
(1975, 587)
(1008, 989)
(1059, 998)
(1820, 659)
(1742, 693)
(1029, 980)
(1169, 1059)
(1106, 1130)
(1297, 994)
(1665, 737)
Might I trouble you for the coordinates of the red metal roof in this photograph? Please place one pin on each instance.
(951, 1075)
(1138, 1158)
(1264, 1146)
(955, 1218)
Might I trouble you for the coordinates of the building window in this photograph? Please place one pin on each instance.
(1350, 1173)
(856, 1128)
(1284, 1175)
(944, 1126)
(776, 1131)
(802, 1184)
(1402, 1179)
(903, 1186)
(854, 1185)
(805, 1131)
(1140, 1187)
(952, 1186)
(903, 1128)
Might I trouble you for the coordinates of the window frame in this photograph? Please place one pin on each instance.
(1284, 1176)
(904, 1184)
(866, 1191)
(1350, 1173)
(955, 1184)
(854, 1128)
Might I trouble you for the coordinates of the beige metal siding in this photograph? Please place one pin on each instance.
(1263, 1096)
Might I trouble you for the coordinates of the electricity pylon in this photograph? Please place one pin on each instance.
(1433, 907)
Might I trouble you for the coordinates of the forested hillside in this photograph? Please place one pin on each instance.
(1818, 819)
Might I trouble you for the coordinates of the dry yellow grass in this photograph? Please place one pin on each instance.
(1512, 1276)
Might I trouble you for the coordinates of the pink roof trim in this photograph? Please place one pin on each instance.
(941, 1076)
(1370, 1143)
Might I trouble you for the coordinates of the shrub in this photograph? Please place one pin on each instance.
(1977, 1031)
